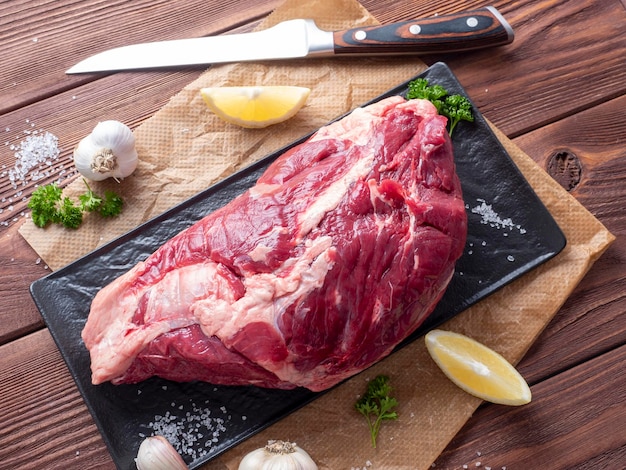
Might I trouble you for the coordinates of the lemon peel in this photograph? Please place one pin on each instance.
(477, 369)
(255, 106)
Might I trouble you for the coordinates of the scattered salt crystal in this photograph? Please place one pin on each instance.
(478, 464)
(478, 453)
(510, 258)
(32, 152)
(193, 433)
(490, 217)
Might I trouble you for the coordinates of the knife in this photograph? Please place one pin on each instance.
(301, 38)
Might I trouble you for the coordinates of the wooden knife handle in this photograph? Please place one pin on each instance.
(463, 31)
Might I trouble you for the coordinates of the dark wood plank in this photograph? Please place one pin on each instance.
(128, 97)
(45, 423)
(115, 94)
(576, 411)
(20, 266)
(134, 97)
(543, 89)
(595, 137)
(575, 421)
(568, 411)
(387, 11)
(537, 79)
(40, 40)
(82, 108)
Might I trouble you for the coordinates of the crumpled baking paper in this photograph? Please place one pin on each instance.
(184, 149)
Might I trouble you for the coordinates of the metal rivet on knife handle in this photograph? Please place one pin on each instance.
(447, 33)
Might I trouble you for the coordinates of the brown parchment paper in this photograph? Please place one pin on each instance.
(184, 149)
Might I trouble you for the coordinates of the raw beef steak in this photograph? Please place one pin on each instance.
(338, 253)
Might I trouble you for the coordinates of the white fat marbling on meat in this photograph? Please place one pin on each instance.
(263, 189)
(330, 198)
(268, 294)
(260, 251)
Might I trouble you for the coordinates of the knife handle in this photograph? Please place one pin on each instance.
(463, 31)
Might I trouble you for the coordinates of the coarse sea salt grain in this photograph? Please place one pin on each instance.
(490, 217)
(193, 433)
(33, 156)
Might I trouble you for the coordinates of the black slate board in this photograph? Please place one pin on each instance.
(512, 234)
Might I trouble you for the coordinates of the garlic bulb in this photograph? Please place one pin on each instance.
(108, 152)
(156, 453)
(278, 455)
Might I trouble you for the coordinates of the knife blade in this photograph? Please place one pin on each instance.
(300, 38)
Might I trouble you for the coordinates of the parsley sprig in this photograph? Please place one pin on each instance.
(48, 205)
(456, 108)
(377, 405)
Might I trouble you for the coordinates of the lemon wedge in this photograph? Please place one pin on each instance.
(477, 369)
(255, 106)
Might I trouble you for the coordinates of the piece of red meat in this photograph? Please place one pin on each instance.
(338, 253)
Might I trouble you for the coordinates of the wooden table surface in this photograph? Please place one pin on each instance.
(558, 92)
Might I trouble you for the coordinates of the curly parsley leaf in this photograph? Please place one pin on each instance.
(69, 215)
(111, 205)
(48, 205)
(89, 201)
(419, 88)
(456, 108)
(43, 204)
(377, 405)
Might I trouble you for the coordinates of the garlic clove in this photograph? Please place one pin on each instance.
(278, 455)
(156, 453)
(83, 157)
(126, 166)
(113, 135)
(108, 152)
